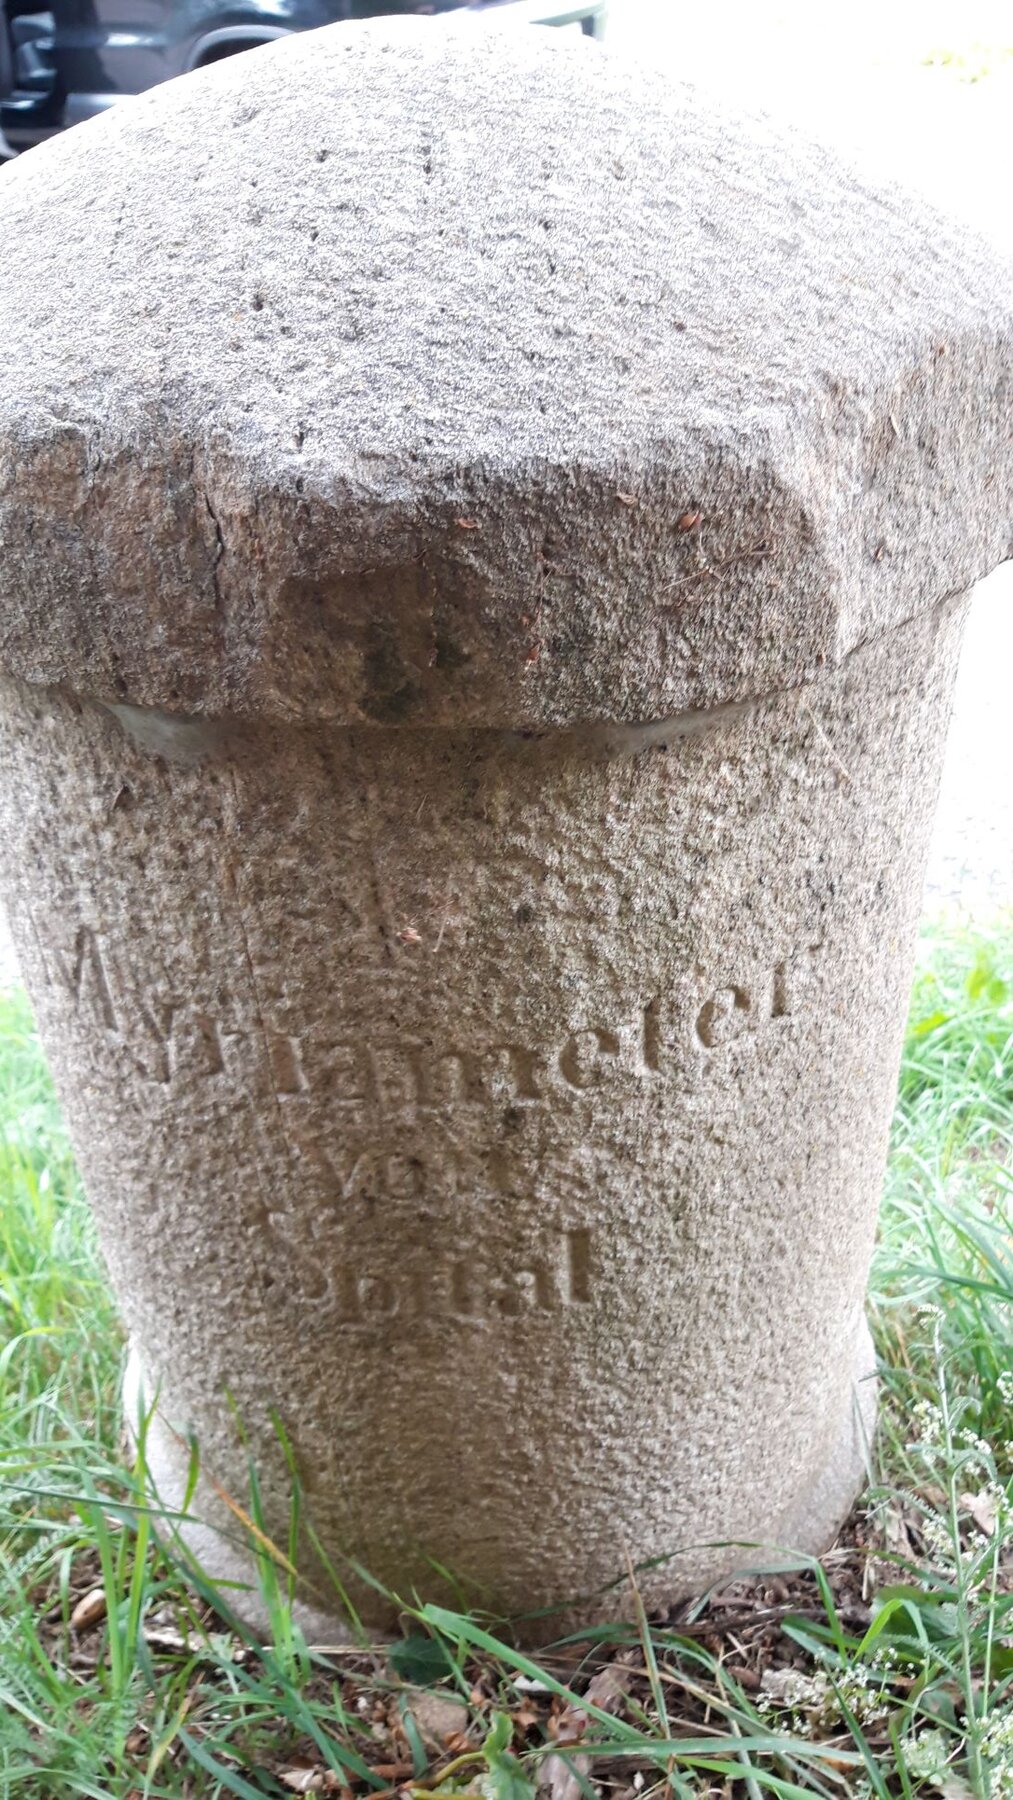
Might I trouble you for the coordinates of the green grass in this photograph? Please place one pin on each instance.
(972, 60)
(885, 1669)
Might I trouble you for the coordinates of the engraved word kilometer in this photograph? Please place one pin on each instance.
(380, 1073)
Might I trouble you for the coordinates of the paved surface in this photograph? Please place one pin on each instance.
(892, 86)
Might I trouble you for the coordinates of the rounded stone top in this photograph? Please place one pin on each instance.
(415, 374)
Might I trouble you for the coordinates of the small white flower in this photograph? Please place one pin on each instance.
(927, 1757)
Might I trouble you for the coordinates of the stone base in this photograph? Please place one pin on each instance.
(818, 1512)
(810, 1523)
(220, 1550)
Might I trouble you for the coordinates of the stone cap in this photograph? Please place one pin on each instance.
(431, 376)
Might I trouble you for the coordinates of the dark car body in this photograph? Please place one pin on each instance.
(64, 64)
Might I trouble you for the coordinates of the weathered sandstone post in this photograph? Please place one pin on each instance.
(483, 546)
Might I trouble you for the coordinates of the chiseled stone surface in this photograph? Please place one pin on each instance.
(482, 554)
(397, 354)
(509, 1115)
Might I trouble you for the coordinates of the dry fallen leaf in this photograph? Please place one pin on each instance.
(89, 1610)
(438, 1716)
(561, 1777)
(982, 1509)
(788, 1687)
(168, 1639)
(303, 1781)
(896, 1536)
(954, 1787)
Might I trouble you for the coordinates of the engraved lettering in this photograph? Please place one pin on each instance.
(174, 1039)
(723, 1017)
(789, 977)
(378, 1295)
(156, 1023)
(312, 1279)
(452, 1078)
(349, 1298)
(83, 975)
(404, 1177)
(468, 1288)
(525, 1288)
(354, 1173)
(582, 1059)
(734, 1010)
(780, 992)
(651, 1038)
(161, 1037)
(515, 1070)
(399, 1075)
(420, 1300)
(211, 1045)
(345, 1073)
(578, 1248)
(499, 1172)
(285, 1055)
(462, 1297)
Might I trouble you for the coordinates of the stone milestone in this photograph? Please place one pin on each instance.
(484, 539)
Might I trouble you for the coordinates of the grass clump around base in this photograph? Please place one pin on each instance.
(885, 1668)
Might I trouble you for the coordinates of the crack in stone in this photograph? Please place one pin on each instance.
(219, 547)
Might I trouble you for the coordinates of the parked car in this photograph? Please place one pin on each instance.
(80, 56)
